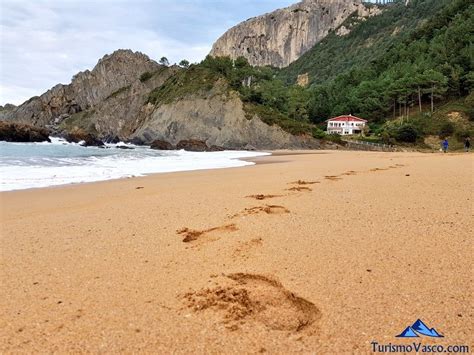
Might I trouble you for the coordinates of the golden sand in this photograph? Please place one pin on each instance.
(316, 253)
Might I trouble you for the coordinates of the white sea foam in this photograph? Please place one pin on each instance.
(35, 165)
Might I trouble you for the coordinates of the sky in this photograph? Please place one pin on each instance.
(46, 42)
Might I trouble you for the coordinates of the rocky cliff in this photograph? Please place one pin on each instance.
(111, 102)
(87, 89)
(216, 117)
(281, 37)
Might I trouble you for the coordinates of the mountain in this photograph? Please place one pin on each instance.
(129, 97)
(360, 42)
(87, 89)
(407, 70)
(281, 37)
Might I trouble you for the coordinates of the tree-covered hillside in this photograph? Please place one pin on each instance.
(404, 63)
(392, 62)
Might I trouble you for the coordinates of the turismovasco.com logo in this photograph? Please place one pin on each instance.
(418, 330)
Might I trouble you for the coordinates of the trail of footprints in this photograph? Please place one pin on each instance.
(241, 300)
(190, 235)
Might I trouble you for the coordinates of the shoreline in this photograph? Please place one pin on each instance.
(183, 263)
(162, 164)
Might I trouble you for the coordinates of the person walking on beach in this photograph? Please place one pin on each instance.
(445, 145)
(467, 144)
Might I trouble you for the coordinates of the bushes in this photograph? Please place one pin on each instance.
(318, 133)
(335, 138)
(272, 117)
(446, 130)
(461, 135)
(197, 79)
(469, 102)
(118, 92)
(146, 76)
(406, 134)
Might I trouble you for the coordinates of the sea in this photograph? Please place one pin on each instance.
(36, 165)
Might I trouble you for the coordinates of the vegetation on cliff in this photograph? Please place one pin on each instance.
(263, 95)
(399, 66)
(395, 69)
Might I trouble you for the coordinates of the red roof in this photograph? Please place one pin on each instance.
(346, 118)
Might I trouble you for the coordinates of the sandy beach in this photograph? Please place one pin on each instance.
(321, 252)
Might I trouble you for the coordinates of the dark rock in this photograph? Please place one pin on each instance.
(161, 145)
(79, 135)
(249, 147)
(193, 145)
(19, 132)
(136, 141)
(124, 147)
(216, 148)
(111, 139)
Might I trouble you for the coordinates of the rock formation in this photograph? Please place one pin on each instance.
(112, 74)
(217, 118)
(18, 132)
(281, 37)
(110, 103)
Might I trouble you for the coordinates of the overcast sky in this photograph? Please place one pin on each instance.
(45, 42)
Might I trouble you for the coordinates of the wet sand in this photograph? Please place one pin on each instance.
(320, 253)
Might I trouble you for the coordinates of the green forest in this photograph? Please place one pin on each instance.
(403, 70)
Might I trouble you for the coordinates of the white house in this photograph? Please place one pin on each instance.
(346, 125)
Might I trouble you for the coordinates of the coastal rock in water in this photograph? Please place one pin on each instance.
(18, 132)
(80, 135)
(161, 145)
(215, 148)
(111, 139)
(193, 145)
(281, 37)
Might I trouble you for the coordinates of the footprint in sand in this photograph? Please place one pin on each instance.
(300, 189)
(379, 169)
(303, 182)
(261, 197)
(350, 173)
(333, 177)
(268, 209)
(191, 235)
(241, 299)
(245, 248)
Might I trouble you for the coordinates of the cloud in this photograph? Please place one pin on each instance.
(45, 42)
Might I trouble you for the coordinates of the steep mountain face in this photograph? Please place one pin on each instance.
(87, 89)
(216, 117)
(113, 102)
(281, 37)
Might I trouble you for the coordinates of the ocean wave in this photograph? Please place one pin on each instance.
(37, 165)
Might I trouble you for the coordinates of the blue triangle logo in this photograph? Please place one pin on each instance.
(408, 333)
(419, 328)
